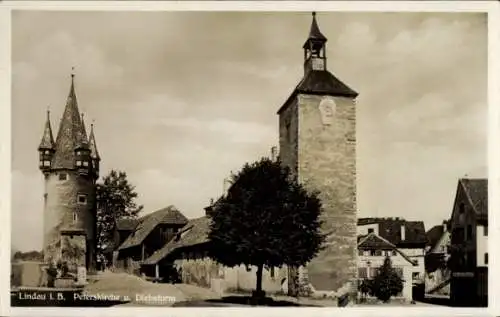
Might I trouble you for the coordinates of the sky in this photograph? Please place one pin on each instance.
(181, 99)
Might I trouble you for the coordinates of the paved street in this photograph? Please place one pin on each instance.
(144, 293)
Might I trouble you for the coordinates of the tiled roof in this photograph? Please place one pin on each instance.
(127, 224)
(320, 82)
(71, 133)
(390, 229)
(195, 232)
(375, 242)
(477, 191)
(434, 234)
(94, 154)
(169, 215)
(372, 241)
(47, 142)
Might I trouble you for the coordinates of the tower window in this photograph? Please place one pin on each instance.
(46, 163)
(47, 152)
(78, 163)
(85, 163)
(75, 217)
(82, 199)
(63, 176)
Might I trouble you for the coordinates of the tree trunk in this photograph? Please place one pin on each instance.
(293, 287)
(258, 289)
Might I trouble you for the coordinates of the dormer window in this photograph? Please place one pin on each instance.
(78, 163)
(461, 209)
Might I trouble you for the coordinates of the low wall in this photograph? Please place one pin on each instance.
(27, 273)
(210, 274)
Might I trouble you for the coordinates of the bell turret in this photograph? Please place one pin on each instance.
(46, 149)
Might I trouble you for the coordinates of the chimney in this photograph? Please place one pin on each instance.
(403, 233)
(445, 226)
(274, 153)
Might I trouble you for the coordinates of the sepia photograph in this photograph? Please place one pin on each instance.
(249, 159)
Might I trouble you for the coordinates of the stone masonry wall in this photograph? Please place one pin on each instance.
(327, 162)
(60, 202)
(288, 137)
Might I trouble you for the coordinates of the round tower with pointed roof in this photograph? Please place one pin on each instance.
(317, 126)
(70, 166)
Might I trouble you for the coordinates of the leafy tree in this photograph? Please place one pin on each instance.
(387, 282)
(266, 220)
(115, 200)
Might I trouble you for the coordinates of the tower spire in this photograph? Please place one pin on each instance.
(314, 32)
(71, 134)
(47, 142)
(94, 154)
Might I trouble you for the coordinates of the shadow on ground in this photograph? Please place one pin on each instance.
(238, 301)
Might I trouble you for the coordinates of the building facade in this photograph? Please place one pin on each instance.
(187, 253)
(469, 241)
(317, 141)
(150, 234)
(373, 250)
(70, 166)
(408, 236)
(437, 273)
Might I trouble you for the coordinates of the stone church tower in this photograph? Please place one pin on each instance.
(317, 126)
(70, 166)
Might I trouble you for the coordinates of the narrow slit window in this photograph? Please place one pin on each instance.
(75, 217)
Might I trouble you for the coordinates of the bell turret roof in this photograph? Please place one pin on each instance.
(47, 142)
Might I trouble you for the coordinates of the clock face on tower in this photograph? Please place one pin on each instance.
(327, 107)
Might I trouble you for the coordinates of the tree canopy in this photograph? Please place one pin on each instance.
(266, 219)
(115, 200)
(387, 282)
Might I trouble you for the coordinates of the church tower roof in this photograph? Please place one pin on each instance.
(71, 134)
(314, 33)
(47, 142)
(94, 154)
(318, 81)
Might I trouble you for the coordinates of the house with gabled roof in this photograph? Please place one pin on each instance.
(151, 232)
(372, 251)
(469, 243)
(188, 253)
(408, 236)
(437, 274)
